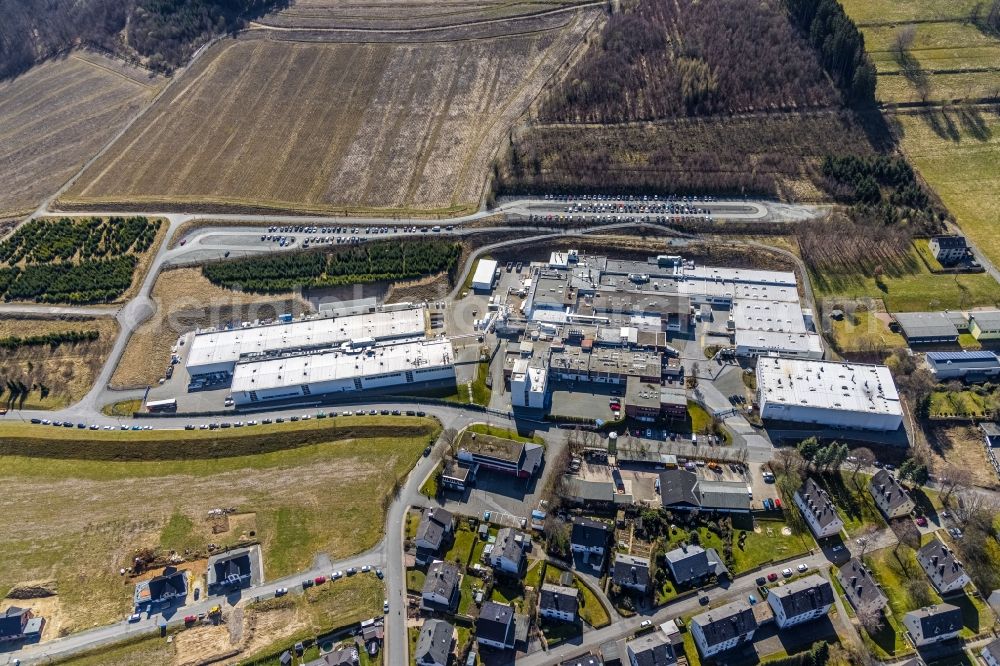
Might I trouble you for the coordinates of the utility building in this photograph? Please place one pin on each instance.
(839, 395)
(482, 279)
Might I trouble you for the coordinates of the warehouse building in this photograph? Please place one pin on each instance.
(219, 351)
(482, 279)
(762, 343)
(970, 366)
(838, 395)
(343, 371)
(927, 328)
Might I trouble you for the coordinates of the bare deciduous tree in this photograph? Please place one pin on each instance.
(871, 618)
(863, 457)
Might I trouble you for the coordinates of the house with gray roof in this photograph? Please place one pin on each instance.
(723, 628)
(682, 490)
(818, 510)
(860, 588)
(434, 643)
(801, 600)
(495, 626)
(690, 564)
(652, 649)
(14, 623)
(631, 571)
(926, 327)
(890, 496)
(507, 554)
(432, 532)
(933, 624)
(942, 567)
(345, 656)
(167, 588)
(559, 602)
(590, 538)
(441, 587)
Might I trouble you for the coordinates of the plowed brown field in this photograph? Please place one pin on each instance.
(57, 115)
(277, 121)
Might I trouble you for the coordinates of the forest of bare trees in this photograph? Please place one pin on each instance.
(661, 59)
(160, 33)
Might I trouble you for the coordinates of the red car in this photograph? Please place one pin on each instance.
(777, 502)
(190, 619)
(772, 577)
(319, 580)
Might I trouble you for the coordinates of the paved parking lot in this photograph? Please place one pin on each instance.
(589, 400)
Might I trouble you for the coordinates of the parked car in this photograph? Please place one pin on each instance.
(645, 623)
(703, 600)
(281, 591)
(190, 619)
(366, 568)
(351, 571)
(319, 580)
(803, 567)
(752, 599)
(787, 573)
(385, 606)
(134, 617)
(308, 582)
(772, 577)
(378, 572)
(760, 580)
(922, 521)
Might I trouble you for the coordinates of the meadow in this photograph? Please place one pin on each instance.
(319, 126)
(957, 151)
(57, 115)
(342, 473)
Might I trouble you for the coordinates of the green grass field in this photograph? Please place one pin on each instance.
(912, 288)
(295, 499)
(892, 11)
(958, 155)
(854, 503)
(960, 403)
(864, 331)
(461, 549)
(767, 545)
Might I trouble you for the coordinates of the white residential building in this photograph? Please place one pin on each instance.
(838, 395)
(558, 602)
(933, 624)
(507, 554)
(942, 567)
(890, 496)
(818, 510)
(723, 628)
(801, 600)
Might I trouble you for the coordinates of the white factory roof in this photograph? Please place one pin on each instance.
(229, 346)
(485, 270)
(338, 365)
(736, 291)
(784, 317)
(789, 343)
(826, 385)
(740, 275)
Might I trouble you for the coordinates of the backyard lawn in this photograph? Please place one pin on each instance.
(415, 580)
(766, 545)
(853, 501)
(961, 403)
(461, 549)
(467, 591)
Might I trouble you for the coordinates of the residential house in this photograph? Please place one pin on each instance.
(631, 571)
(434, 643)
(345, 656)
(933, 624)
(948, 250)
(890, 496)
(991, 653)
(559, 602)
(682, 490)
(229, 571)
(653, 649)
(801, 600)
(860, 587)
(941, 565)
(441, 587)
(495, 626)
(818, 510)
(507, 554)
(723, 628)
(168, 588)
(14, 623)
(692, 564)
(433, 531)
(458, 477)
(590, 539)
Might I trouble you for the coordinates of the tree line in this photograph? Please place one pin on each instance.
(163, 33)
(864, 178)
(366, 263)
(12, 342)
(840, 46)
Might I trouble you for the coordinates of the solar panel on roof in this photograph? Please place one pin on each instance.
(962, 356)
